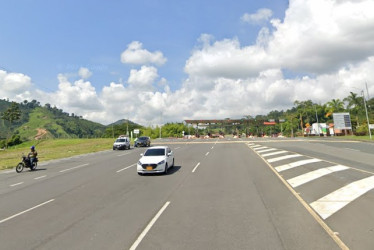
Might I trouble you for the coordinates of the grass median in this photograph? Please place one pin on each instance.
(53, 149)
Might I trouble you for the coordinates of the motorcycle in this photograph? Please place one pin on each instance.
(25, 163)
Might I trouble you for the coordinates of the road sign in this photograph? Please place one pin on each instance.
(136, 131)
(342, 121)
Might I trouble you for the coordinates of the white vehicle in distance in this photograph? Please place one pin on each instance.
(156, 159)
(122, 142)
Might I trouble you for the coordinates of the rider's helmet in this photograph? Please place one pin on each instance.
(32, 147)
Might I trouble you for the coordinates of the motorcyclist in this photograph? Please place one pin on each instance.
(32, 155)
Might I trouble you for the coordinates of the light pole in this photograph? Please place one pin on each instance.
(367, 116)
(315, 109)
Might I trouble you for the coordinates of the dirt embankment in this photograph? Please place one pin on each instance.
(40, 134)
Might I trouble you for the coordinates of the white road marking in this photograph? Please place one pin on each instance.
(212, 147)
(333, 202)
(149, 226)
(126, 168)
(193, 171)
(274, 153)
(124, 154)
(207, 154)
(6, 172)
(305, 178)
(296, 164)
(16, 184)
(177, 148)
(266, 150)
(353, 149)
(283, 157)
(256, 146)
(40, 177)
(83, 165)
(261, 148)
(27, 210)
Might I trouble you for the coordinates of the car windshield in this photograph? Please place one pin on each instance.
(155, 152)
(121, 140)
(142, 138)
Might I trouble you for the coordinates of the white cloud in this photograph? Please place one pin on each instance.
(15, 86)
(143, 77)
(84, 73)
(135, 54)
(324, 46)
(260, 16)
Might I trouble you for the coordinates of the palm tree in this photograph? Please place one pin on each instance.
(355, 105)
(335, 105)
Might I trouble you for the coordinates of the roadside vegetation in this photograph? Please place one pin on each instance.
(53, 149)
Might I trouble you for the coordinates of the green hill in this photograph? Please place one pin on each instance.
(37, 122)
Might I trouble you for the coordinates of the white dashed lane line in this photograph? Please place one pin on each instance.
(25, 211)
(118, 171)
(16, 184)
(83, 165)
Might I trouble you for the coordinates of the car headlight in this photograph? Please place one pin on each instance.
(161, 162)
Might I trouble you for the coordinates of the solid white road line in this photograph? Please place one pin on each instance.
(83, 165)
(296, 164)
(274, 153)
(40, 177)
(305, 178)
(28, 210)
(333, 202)
(16, 184)
(6, 172)
(149, 226)
(283, 157)
(193, 171)
(126, 168)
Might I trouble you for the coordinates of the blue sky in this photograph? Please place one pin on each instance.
(189, 59)
(45, 38)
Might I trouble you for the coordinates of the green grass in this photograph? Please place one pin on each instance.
(53, 149)
(354, 137)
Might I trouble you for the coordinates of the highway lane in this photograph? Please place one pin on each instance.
(221, 194)
(93, 207)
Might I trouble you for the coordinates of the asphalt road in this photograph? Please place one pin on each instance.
(221, 194)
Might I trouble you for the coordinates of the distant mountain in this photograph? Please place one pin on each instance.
(48, 122)
(123, 121)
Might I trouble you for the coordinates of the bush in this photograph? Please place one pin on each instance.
(15, 140)
(361, 130)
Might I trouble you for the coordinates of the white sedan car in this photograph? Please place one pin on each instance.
(155, 160)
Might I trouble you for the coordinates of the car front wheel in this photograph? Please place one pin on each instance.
(166, 169)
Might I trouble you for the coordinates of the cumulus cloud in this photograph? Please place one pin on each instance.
(321, 50)
(84, 73)
(260, 16)
(143, 77)
(15, 85)
(135, 54)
